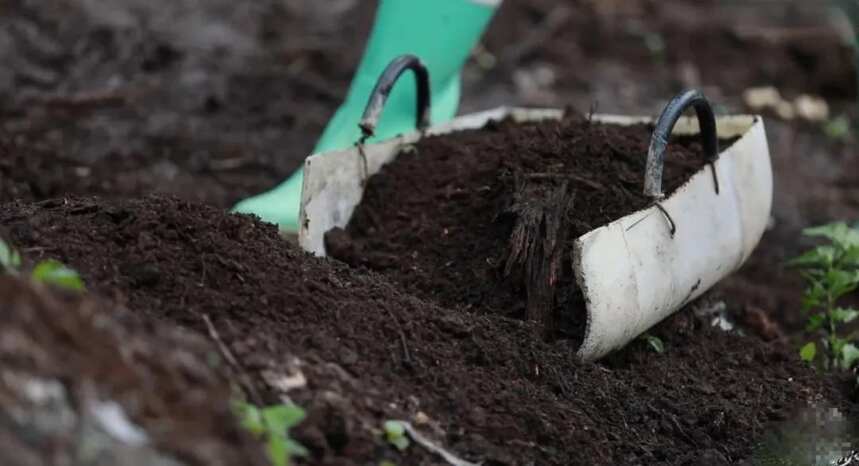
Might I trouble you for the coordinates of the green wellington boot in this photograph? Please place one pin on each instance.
(441, 33)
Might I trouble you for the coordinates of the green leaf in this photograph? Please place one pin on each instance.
(273, 423)
(814, 295)
(837, 128)
(850, 256)
(808, 352)
(395, 428)
(395, 434)
(10, 260)
(815, 322)
(840, 233)
(55, 273)
(276, 449)
(294, 448)
(844, 315)
(838, 345)
(655, 343)
(841, 282)
(400, 443)
(279, 418)
(821, 257)
(849, 355)
(250, 418)
(281, 448)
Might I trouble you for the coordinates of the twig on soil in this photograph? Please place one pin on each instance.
(230, 163)
(535, 249)
(429, 445)
(407, 358)
(202, 282)
(589, 126)
(228, 355)
(86, 100)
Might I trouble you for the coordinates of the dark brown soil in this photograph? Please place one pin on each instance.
(131, 98)
(208, 100)
(618, 52)
(485, 220)
(478, 384)
(62, 355)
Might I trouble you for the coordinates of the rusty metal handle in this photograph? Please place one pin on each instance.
(662, 133)
(383, 88)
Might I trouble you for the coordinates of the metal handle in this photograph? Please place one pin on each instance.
(662, 132)
(384, 86)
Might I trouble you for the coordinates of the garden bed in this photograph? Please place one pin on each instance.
(123, 105)
(481, 385)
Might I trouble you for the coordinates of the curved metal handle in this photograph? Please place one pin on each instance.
(384, 86)
(662, 132)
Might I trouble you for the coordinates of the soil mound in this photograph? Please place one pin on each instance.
(354, 351)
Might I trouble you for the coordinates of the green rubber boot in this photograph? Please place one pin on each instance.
(441, 33)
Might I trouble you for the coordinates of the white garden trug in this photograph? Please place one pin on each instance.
(633, 272)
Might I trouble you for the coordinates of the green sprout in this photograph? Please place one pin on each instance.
(49, 271)
(838, 128)
(655, 343)
(831, 271)
(395, 434)
(10, 260)
(272, 424)
(55, 273)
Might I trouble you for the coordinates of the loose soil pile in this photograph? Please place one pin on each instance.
(354, 351)
(84, 382)
(486, 219)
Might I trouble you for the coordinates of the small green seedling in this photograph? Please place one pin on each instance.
(55, 273)
(10, 260)
(395, 434)
(831, 271)
(838, 128)
(48, 271)
(272, 424)
(655, 343)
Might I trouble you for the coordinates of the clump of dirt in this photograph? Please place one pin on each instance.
(486, 219)
(93, 381)
(354, 350)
